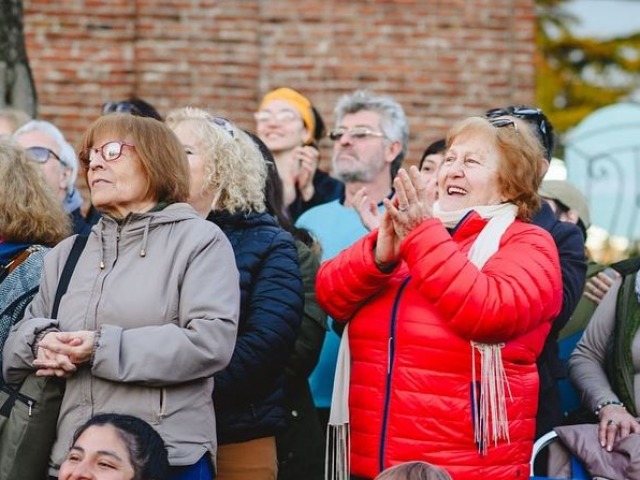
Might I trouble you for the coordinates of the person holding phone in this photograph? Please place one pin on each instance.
(290, 126)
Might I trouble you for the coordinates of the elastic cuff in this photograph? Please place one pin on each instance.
(96, 340)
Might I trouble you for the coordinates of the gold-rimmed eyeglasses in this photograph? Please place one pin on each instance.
(356, 133)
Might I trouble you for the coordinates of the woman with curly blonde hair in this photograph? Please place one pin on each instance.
(31, 220)
(228, 176)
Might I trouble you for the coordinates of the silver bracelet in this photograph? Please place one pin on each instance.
(606, 404)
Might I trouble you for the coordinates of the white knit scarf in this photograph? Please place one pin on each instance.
(489, 401)
(489, 398)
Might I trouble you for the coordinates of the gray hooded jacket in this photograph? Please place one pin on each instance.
(162, 289)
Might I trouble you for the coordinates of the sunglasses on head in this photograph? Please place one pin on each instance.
(121, 107)
(526, 113)
(503, 122)
(223, 123)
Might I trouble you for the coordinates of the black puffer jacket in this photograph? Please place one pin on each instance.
(249, 393)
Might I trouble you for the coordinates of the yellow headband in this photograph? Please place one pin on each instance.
(299, 102)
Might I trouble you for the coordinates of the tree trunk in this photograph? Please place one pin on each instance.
(17, 89)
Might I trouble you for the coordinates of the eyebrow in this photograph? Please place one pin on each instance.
(107, 453)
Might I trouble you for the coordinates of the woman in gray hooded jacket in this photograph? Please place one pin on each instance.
(146, 320)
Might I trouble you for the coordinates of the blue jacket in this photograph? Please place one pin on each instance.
(249, 393)
(570, 243)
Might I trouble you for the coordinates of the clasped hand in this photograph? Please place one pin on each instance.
(409, 208)
(615, 423)
(60, 353)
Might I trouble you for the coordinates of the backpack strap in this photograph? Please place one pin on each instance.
(67, 271)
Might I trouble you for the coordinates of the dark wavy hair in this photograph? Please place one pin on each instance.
(274, 197)
(147, 452)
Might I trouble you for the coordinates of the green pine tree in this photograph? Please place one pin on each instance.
(577, 75)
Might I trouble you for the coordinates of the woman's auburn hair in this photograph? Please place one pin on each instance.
(30, 211)
(520, 165)
(161, 154)
(235, 170)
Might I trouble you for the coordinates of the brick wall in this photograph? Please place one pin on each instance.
(442, 59)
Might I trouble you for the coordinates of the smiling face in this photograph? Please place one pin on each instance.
(283, 128)
(121, 186)
(98, 454)
(468, 176)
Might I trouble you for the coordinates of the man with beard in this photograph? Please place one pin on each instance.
(370, 141)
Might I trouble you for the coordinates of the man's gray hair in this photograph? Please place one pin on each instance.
(67, 153)
(394, 121)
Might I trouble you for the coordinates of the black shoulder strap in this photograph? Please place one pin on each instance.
(628, 266)
(67, 271)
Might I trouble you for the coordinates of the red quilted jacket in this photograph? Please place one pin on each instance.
(410, 332)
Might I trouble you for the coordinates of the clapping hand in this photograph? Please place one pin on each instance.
(409, 208)
(308, 158)
(367, 209)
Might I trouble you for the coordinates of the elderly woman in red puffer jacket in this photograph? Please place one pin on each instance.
(447, 309)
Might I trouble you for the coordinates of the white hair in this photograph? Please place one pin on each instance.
(67, 153)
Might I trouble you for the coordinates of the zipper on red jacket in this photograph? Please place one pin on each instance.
(391, 352)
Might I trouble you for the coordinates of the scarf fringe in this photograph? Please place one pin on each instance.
(491, 422)
(337, 453)
(337, 450)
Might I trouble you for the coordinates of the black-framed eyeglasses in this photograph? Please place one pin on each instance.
(109, 152)
(225, 124)
(356, 133)
(503, 122)
(42, 154)
(121, 107)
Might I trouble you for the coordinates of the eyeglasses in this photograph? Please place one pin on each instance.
(109, 152)
(223, 123)
(42, 154)
(282, 116)
(121, 107)
(356, 133)
(503, 122)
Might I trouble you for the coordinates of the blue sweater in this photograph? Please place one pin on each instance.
(249, 393)
(336, 227)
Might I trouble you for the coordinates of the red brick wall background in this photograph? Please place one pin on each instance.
(442, 59)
